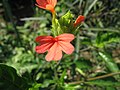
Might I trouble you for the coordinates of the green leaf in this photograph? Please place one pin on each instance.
(9, 80)
(103, 83)
(35, 86)
(86, 41)
(62, 76)
(47, 82)
(111, 65)
(89, 5)
(110, 88)
(83, 64)
(106, 38)
(71, 87)
(22, 61)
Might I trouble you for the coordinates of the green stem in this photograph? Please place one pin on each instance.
(55, 30)
(54, 66)
(55, 73)
(77, 47)
(54, 24)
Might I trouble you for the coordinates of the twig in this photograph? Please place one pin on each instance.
(95, 78)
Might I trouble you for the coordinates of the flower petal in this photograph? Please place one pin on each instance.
(43, 48)
(47, 4)
(44, 39)
(79, 20)
(42, 3)
(66, 47)
(43, 7)
(54, 53)
(65, 37)
(50, 7)
(52, 2)
(58, 55)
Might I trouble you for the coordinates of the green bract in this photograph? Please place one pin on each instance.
(63, 25)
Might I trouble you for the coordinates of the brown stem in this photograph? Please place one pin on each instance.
(95, 78)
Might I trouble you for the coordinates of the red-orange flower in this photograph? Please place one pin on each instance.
(79, 20)
(47, 4)
(55, 46)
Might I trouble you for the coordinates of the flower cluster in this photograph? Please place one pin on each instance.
(63, 31)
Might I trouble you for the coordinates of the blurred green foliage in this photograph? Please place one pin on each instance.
(97, 54)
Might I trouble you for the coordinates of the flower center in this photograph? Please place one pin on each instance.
(55, 40)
